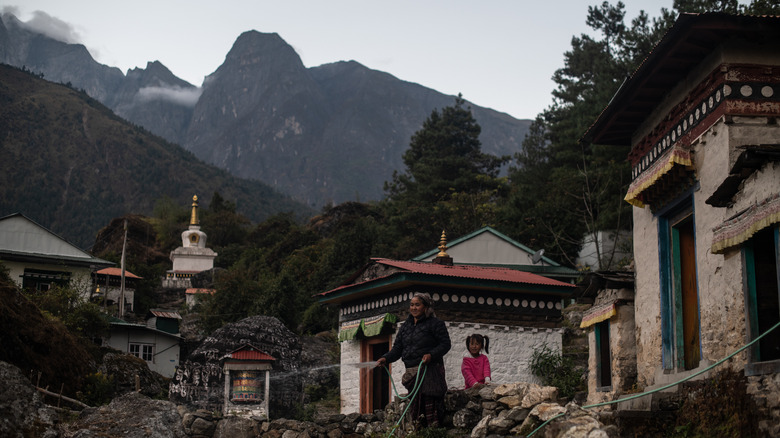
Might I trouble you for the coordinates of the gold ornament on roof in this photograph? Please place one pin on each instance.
(194, 216)
(443, 245)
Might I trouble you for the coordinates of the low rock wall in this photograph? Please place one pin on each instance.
(510, 409)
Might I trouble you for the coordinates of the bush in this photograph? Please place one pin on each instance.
(555, 369)
(98, 389)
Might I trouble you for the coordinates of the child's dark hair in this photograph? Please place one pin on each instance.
(482, 340)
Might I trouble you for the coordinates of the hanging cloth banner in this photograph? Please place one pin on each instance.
(743, 226)
(373, 326)
(598, 314)
(675, 156)
(368, 327)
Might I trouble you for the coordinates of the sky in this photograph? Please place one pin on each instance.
(499, 54)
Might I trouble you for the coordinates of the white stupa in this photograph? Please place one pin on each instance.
(192, 256)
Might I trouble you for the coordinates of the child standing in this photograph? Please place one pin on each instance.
(476, 366)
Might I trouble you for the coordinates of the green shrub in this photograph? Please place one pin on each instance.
(98, 389)
(555, 369)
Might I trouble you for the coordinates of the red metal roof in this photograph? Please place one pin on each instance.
(249, 352)
(116, 272)
(475, 272)
(487, 274)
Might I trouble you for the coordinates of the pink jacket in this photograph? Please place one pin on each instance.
(475, 369)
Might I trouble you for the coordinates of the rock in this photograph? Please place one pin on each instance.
(538, 394)
(546, 411)
(290, 434)
(202, 427)
(481, 429)
(132, 415)
(465, 419)
(236, 427)
(510, 401)
(510, 389)
(122, 368)
(500, 425)
(516, 414)
(22, 412)
(486, 393)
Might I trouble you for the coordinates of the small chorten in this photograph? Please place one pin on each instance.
(442, 258)
(192, 256)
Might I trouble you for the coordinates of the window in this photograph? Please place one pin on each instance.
(42, 280)
(144, 351)
(680, 325)
(760, 258)
(603, 360)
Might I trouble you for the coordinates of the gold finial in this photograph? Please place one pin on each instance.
(194, 216)
(442, 245)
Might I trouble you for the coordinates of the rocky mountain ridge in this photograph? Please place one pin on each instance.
(323, 134)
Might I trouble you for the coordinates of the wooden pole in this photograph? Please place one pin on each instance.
(122, 285)
(67, 399)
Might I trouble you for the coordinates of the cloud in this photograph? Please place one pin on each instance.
(53, 27)
(181, 96)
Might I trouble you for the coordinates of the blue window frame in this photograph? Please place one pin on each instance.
(760, 255)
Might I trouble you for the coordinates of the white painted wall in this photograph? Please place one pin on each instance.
(166, 348)
(511, 349)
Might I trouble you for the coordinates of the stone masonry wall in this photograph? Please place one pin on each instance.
(719, 276)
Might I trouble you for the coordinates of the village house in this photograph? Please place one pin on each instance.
(701, 118)
(38, 259)
(156, 341)
(519, 311)
(108, 290)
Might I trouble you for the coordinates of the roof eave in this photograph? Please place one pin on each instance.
(403, 279)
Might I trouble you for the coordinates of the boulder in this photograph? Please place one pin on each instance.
(236, 427)
(22, 412)
(539, 394)
(199, 381)
(132, 415)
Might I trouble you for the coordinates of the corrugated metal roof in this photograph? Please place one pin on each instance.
(474, 272)
(117, 273)
(491, 277)
(165, 314)
(249, 352)
(250, 355)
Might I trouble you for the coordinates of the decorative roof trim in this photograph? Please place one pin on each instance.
(745, 224)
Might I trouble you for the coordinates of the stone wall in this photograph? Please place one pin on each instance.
(622, 332)
(719, 276)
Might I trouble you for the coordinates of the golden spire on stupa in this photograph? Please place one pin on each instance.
(194, 216)
(443, 245)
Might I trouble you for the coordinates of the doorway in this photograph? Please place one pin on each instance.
(374, 382)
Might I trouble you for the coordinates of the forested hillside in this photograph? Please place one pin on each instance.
(72, 165)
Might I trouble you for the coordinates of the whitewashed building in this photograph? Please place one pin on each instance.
(701, 118)
(36, 258)
(519, 311)
(160, 349)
